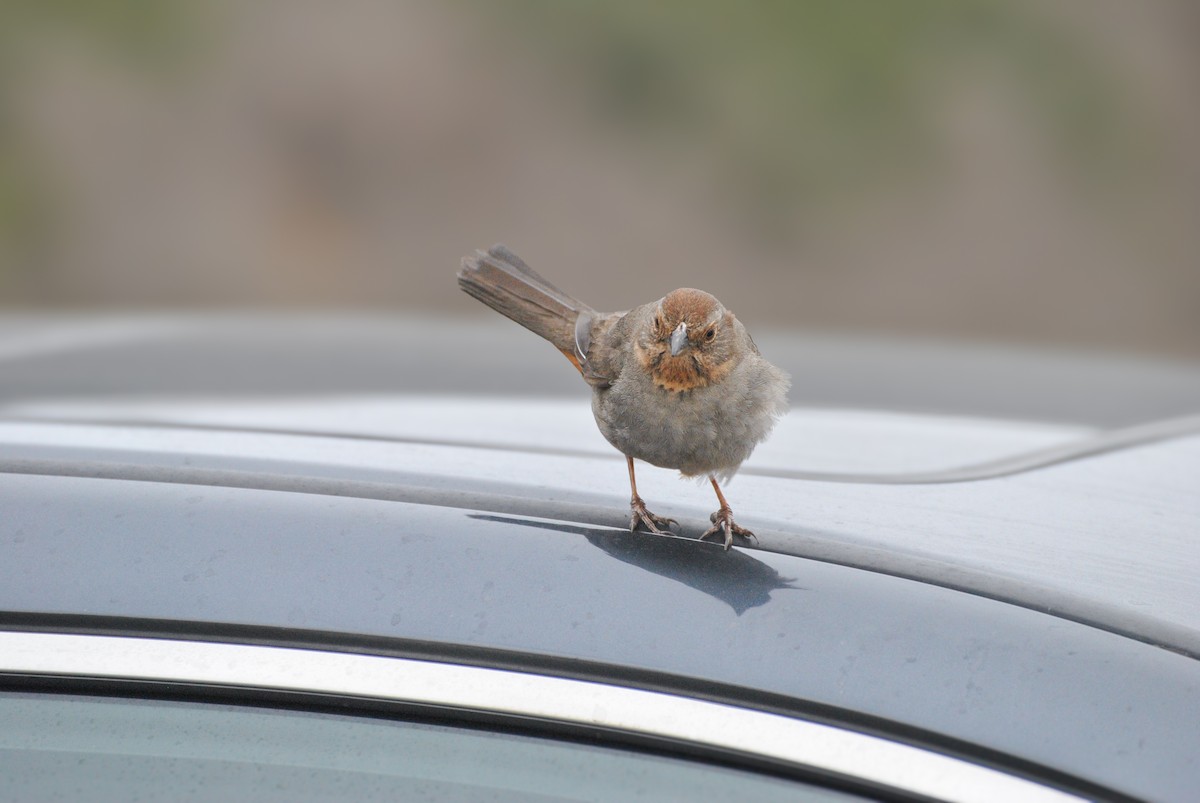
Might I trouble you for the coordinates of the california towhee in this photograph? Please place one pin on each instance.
(677, 382)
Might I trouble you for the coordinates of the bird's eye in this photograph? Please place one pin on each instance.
(657, 322)
(710, 334)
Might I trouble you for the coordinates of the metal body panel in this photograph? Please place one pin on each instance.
(1108, 539)
(1063, 695)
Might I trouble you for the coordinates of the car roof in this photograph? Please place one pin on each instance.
(439, 571)
(1092, 527)
(1021, 588)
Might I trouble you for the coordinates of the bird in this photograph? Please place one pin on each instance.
(677, 382)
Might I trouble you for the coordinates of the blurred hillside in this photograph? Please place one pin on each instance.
(1008, 171)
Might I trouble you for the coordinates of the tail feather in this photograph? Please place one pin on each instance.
(500, 279)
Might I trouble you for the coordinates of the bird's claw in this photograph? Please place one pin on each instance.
(644, 518)
(723, 524)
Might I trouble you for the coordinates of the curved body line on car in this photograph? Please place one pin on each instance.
(1088, 445)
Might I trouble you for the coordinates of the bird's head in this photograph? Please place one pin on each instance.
(690, 341)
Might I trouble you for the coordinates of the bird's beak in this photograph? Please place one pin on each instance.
(678, 339)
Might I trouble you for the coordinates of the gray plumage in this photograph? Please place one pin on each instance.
(707, 430)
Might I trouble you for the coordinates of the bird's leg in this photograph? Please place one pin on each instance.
(640, 516)
(722, 520)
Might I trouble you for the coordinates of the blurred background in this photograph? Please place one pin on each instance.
(1023, 173)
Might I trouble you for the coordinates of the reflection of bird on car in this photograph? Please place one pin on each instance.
(676, 382)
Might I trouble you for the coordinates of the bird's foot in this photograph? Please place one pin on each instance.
(723, 523)
(644, 518)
